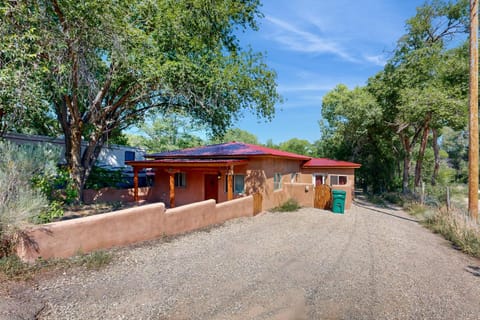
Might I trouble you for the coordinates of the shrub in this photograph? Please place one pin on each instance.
(288, 206)
(28, 176)
(101, 178)
(53, 212)
(56, 185)
(393, 197)
(19, 201)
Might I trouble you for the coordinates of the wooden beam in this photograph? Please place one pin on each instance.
(230, 184)
(172, 189)
(473, 119)
(135, 184)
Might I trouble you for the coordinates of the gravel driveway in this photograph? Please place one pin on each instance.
(311, 264)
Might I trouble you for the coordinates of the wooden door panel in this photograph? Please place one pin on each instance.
(323, 197)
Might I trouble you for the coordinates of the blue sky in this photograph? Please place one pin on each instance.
(313, 45)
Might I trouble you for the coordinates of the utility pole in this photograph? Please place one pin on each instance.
(473, 118)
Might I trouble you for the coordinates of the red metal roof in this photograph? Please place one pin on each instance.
(229, 149)
(329, 163)
(187, 162)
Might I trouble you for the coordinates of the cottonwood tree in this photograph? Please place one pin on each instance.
(238, 135)
(102, 65)
(164, 133)
(418, 93)
(353, 128)
(421, 89)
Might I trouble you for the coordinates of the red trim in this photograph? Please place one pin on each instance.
(186, 163)
(329, 163)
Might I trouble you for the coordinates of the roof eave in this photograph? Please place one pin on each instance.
(332, 167)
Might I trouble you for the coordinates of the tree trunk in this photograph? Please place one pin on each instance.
(407, 148)
(406, 164)
(436, 153)
(73, 152)
(421, 152)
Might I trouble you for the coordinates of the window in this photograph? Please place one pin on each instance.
(238, 183)
(319, 179)
(293, 177)
(277, 181)
(180, 179)
(129, 155)
(338, 180)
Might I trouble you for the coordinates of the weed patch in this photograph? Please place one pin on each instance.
(288, 206)
(458, 228)
(15, 269)
(95, 260)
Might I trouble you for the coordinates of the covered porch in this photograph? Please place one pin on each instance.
(201, 179)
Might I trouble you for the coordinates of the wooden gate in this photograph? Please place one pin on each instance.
(257, 203)
(323, 197)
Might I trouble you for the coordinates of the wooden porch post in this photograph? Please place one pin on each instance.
(230, 184)
(172, 188)
(135, 184)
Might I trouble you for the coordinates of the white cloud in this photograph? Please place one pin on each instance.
(378, 60)
(299, 40)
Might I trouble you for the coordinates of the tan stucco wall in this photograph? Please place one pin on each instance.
(190, 217)
(306, 177)
(265, 168)
(67, 238)
(234, 209)
(304, 193)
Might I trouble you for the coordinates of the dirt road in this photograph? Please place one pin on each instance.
(311, 264)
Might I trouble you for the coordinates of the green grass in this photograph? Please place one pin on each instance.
(416, 209)
(288, 206)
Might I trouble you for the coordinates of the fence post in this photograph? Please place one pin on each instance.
(422, 195)
(448, 198)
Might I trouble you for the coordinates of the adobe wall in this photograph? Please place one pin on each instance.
(263, 169)
(67, 238)
(304, 193)
(306, 177)
(114, 195)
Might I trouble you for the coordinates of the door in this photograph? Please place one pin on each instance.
(211, 187)
(323, 197)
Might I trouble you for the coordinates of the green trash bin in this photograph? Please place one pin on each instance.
(338, 203)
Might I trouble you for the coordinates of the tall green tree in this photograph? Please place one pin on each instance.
(238, 135)
(101, 65)
(298, 146)
(415, 90)
(354, 129)
(164, 133)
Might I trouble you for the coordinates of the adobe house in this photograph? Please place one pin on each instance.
(231, 170)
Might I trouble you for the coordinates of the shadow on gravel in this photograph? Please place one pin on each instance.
(473, 270)
(359, 204)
